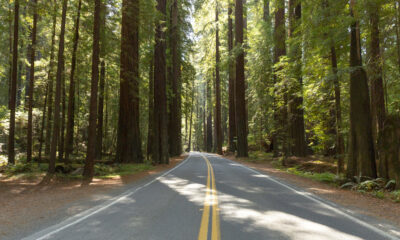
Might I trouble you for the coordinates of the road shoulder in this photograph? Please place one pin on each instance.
(383, 210)
(26, 204)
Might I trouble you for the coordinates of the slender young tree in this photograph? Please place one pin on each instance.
(160, 132)
(50, 80)
(151, 106)
(88, 171)
(11, 135)
(60, 72)
(31, 82)
(209, 107)
(240, 101)
(100, 114)
(61, 141)
(71, 96)
(361, 160)
(338, 112)
(129, 142)
(218, 129)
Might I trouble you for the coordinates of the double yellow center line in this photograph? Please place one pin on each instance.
(211, 200)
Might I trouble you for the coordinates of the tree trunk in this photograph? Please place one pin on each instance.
(129, 142)
(10, 55)
(31, 83)
(71, 96)
(160, 133)
(61, 143)
(151, 107)
(88, 171)
(338, 114)
(279, 51)
(191, 122)
(174, 123)
(295, 106)
(231, 84)
(209, 119)
(361, 160)
(50, 83)
(11, 135)
(240, 101)
(377, 93)
(218, 129)
(205, 118)
(60, 73)
(100, 114)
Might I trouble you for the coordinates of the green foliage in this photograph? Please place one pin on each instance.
(395, 195)
(110, 171)
(320, 177)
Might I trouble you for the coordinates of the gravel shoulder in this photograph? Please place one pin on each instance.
(27, 204)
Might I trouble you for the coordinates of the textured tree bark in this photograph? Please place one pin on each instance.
(377, 93)
(209, 119)
(31, 83)
(231, 84)
(51, 85)
(10, 54)
(361, 160)
(61, 141)
(191, 122)
(295, 106)
(100, 113)
(11, 135)
(240, 101)
(129, 147)
(205, 118)
(174, 123)
(160, 133)
(279, 51)
(60, 72)
(151, 107)
(218, 129)
(88, 170)
(71, 96)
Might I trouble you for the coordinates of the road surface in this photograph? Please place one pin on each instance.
(209, 197)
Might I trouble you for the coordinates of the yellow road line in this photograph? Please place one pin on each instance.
(210, 200)
(216, 233)
(206, 211)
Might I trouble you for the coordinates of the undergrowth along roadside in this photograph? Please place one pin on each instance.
(379, 188)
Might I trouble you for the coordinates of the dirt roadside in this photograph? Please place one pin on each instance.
(365, 204)
(25, 202)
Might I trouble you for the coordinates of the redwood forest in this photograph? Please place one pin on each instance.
(103, 88)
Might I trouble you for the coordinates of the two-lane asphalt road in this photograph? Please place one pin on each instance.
(208, 197)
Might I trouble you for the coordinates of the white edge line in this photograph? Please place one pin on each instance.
(313, 198)
(92, 211)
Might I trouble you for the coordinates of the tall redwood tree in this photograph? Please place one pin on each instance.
(129, 142)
